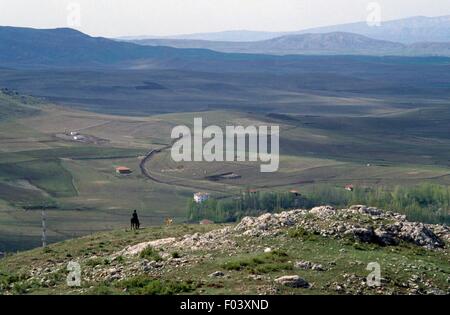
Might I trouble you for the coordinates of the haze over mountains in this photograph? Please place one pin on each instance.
(406, 31)
(416, 36)
(334, 43)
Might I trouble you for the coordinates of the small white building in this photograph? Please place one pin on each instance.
(74, 133)
(78, 138)
(201, 197)
(349, 187)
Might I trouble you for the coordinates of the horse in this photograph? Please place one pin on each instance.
(135, 224)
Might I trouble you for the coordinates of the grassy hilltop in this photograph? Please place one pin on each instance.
(329, 250)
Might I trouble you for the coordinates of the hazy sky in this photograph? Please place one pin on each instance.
(113, 18)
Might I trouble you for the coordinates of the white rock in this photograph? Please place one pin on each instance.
(292, 281)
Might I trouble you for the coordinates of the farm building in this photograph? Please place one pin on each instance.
(201, 197)
(74, 133)
(296, 193)
(123, 170)
(349, 187)
(206, 222)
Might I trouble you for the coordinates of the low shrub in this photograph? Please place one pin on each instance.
(144, 285)
(267, 262)
(150, 254)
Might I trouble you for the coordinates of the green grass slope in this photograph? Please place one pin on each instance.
(212, 259)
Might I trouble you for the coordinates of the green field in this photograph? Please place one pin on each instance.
(40, 168)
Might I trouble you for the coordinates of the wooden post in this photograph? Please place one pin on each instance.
(44, 229)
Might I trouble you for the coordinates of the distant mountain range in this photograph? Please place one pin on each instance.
(336, 43)
(26, 47)
(406, 31)
(416, 36)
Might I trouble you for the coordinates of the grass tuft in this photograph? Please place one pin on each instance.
(150, 254)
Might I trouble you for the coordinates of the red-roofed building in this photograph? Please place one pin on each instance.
(123, 170)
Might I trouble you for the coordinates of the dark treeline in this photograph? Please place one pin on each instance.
(249, 203)
(427, 203)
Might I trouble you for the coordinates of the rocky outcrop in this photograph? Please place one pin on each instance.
(365, 235)
(419, 234)
(361, 223)
(216, 239)
(323, 211)
(266, 224)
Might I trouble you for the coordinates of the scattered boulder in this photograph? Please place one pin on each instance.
(307, 265)
(293, 282)
(255, 277)
(317, 267)
(217, 274)
(365, 210)
(435, 291)
(303, 265)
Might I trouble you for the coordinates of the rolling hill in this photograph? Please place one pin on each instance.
(24, 47)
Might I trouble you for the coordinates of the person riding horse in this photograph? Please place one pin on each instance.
(135, 224)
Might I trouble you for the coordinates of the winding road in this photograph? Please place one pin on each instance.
(145, 172)
(149, 156)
